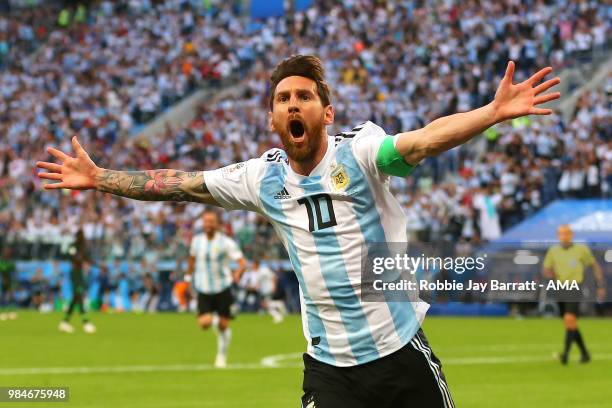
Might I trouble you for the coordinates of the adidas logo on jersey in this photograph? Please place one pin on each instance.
(282, 195)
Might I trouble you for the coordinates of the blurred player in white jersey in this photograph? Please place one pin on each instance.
(209, 270)
(262, 281)
(327, 197)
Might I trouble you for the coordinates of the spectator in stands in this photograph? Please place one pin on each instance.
(487, 202)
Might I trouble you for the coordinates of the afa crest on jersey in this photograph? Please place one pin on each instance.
(339, 178)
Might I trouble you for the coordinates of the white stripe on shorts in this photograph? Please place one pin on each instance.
(419, 345)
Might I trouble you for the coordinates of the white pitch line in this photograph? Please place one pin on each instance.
(274, 361)
(269, 362)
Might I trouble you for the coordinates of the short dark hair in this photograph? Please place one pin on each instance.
(308, 66)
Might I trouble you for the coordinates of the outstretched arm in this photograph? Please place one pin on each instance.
(511, 101)
(155, 185)
(81, 173)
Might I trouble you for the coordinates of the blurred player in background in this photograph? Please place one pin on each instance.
(564, 262)
(271, 293)
(7, 277)
(79, 256)
(249, 294)
(208, 268)
(327, 197)
(261, 289)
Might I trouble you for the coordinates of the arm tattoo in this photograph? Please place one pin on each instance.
(156, 185)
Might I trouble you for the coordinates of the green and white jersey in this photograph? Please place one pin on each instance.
(324, 220)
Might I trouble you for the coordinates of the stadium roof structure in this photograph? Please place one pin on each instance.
(590, 220)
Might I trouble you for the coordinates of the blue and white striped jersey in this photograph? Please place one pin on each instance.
(324, 220)
(212, 262)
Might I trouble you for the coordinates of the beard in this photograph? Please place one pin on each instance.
(303, 151)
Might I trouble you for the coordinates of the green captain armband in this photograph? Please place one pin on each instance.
(389, 161)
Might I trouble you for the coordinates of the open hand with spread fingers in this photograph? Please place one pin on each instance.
(515, 100)
(75, 173)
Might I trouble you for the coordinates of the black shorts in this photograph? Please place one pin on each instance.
(569, 301)
(410, 377)
(216, 302)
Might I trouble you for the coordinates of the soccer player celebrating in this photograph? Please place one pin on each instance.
(566, 262)
(209, 256)
(327, 197)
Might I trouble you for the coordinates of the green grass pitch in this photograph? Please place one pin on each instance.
(164, 360)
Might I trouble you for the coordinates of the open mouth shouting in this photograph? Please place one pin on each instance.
(297, 130)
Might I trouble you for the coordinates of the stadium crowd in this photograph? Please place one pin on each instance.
(400, 66)
(22, 31)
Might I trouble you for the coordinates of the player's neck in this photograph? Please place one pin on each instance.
(211, 235)
(305, 167)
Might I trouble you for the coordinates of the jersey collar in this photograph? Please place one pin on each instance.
(319, 169)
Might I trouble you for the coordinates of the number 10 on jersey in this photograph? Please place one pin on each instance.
(317, 201)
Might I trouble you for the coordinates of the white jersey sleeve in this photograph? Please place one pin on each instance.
(235, 186)
(366, 141)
